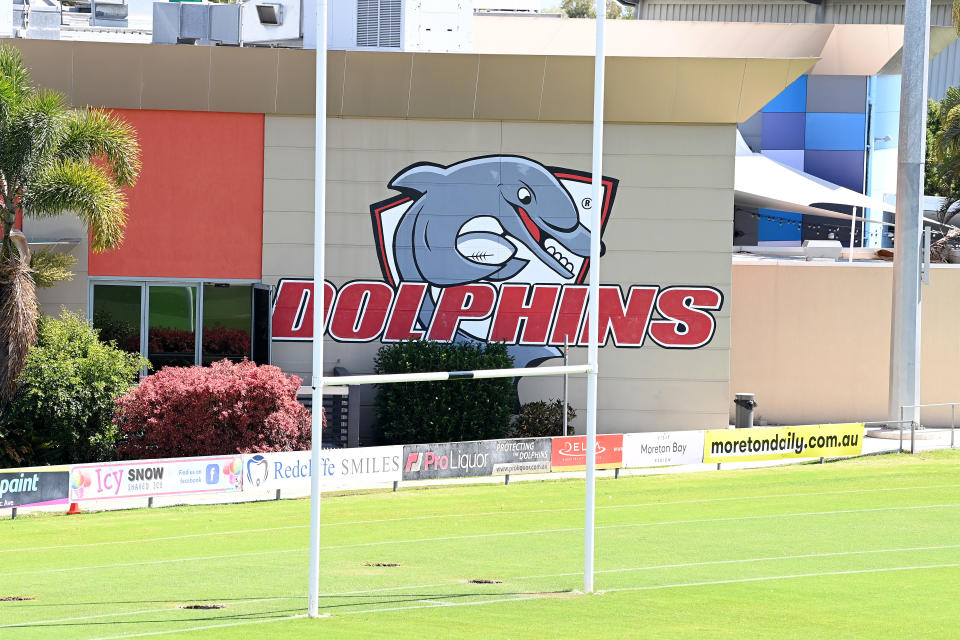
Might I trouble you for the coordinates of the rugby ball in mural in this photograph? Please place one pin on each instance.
(495, 219)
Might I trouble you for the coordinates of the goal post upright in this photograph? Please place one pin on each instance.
(319, 222)
(593, 296)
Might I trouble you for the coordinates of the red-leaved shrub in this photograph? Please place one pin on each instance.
(224, 408)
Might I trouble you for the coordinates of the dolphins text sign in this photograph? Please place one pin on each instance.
(494, 248)
(518, 314)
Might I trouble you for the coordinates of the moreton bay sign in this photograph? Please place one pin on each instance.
(493, 248)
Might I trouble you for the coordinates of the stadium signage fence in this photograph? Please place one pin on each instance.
(33, 487)
(368, 467)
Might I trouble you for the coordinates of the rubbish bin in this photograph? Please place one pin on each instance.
(745, 405)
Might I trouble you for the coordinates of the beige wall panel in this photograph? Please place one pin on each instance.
(671, 179)
(51, 66)
(233, 70)
(563, 97)
(648, 96)
(665, 267)
(443, 86)
(289, 195)
(657, 235)
(289, 163)
(668, 140)
(813, 341)
(708, 90)
(376, 85)
(100, 72)
(513, 76)
(187, 89)
(477, 137)
(297, 82)
(293, 131)
(72, 294)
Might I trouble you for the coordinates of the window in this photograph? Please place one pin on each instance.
(184, 323)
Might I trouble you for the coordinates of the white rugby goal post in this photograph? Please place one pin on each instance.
(593, 313)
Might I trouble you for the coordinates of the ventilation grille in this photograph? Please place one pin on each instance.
(378, 23)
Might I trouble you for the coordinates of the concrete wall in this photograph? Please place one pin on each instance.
(670, 224)
(812, 340)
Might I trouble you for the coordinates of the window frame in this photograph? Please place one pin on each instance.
(146, 283)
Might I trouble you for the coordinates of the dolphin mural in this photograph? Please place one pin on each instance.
(489, 219)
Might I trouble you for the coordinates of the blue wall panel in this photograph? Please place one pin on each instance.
(778, 227)
(835, 131)
(844, 168)
(792, 99)
(783, 130)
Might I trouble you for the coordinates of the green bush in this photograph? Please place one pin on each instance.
(448, 411)
(542, 419)
(63, 409)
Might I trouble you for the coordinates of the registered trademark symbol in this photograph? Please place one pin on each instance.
(586, 203)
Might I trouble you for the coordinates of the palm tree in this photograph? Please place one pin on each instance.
(53, 160)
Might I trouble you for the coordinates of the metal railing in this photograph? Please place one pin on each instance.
(899, 423)
(953, 418)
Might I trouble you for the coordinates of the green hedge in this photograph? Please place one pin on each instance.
(63, 409)
(449, 411)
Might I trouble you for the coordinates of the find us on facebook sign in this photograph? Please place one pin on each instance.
(494, 248)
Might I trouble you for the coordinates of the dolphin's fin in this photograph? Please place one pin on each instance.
(510, 269)
(419, 178)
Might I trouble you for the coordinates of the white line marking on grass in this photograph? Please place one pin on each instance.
(209, 626)
(436, 605)
(523, 578)
(488, 535)
(785, 577)
(133, 613)
(480, 514)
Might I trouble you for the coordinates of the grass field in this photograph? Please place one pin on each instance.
(866, 548)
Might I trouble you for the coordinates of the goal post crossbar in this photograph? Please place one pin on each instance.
(435, 376)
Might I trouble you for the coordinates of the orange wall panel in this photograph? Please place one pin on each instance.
(197, 209)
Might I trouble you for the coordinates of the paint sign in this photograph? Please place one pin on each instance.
(775, 443)
(155, 477)
(33, 487)
(662, 449)
(341, 468)
(570, 453)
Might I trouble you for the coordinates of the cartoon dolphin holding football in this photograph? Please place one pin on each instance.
(490, 219)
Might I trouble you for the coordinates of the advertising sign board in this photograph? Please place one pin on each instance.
(33, 487)
(155, 477)
(775, 443)
(523, 455)
(447, 460)
(662, 449)
(570, 453)
(341, 468)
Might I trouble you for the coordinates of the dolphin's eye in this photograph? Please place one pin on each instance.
(524, 195)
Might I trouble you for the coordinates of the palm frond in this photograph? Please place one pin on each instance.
(49, 267)
(13, 69)
(85, 190)
(94, 132)
(34, 131)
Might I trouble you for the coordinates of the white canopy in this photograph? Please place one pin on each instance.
(762, 182)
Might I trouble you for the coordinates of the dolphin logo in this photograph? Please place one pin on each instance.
(495, 219)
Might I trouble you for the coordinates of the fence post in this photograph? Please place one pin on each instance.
(395, 483)
(953, 422)
(13, 514)
(506, 478)
(616, 473)
(278, 495)
(150, 502)
(913, 437)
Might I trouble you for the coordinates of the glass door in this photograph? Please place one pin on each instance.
(172, 325)
(117, 314)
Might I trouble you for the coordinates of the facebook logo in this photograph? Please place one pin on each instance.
(213, 474)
